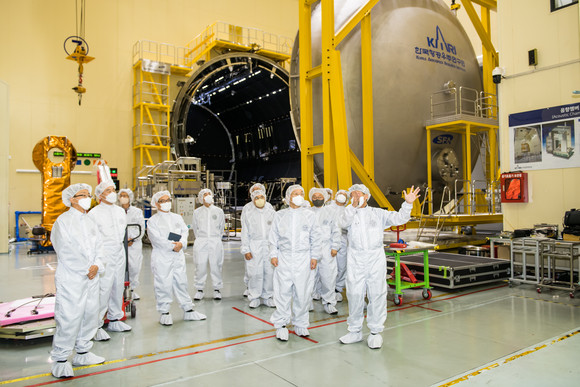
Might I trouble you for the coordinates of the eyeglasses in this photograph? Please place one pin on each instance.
(164, 201)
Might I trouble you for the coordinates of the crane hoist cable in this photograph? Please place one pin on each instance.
(80, 51)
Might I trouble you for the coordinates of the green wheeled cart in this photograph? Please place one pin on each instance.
(398, 283)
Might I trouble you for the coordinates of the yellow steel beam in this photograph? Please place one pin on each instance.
(367, 96)
(306, 116)
(467, 165)
(327, 35)
(429, 195)
(481, 31)
(353, 21)
(490, 59)
(376, 192)
(154, 86)
(149, 156)
(314, 150)
(315, 72)
(153, 125)
(343, 170)
(489, 4)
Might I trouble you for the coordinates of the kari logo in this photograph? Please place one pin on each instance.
(443, 139)
(438, 42)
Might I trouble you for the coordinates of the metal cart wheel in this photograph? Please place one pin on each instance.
(539, 290)
(398, 299)
(427, 294)
(133, 310)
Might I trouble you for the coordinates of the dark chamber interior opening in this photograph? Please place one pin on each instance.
(235, 115)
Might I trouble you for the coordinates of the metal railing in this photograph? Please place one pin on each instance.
(463, 100)
(159, 52)
(244, 36)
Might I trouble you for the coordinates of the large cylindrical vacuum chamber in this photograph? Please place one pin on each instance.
(234, 113)
(241, 111)
(418, 46)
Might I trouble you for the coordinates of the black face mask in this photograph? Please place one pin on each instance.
(318, 202)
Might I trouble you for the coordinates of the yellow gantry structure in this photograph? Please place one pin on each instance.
(222, 37)
(337, 168)
(153, 65)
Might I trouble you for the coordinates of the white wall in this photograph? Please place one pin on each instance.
(524, 25)
(4, 175)
(42, 103)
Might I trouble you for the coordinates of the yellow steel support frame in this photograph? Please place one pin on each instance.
(466, 129)
(483, 28)
(151, 110)
(339, 160)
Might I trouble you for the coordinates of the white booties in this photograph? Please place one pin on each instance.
(166, 319)
(282, 334)
(375, 340)
(102, 335)
(118, 326)
(62, 370)
(88, 358)
(193, 316)
(303, 332)
(351, 337)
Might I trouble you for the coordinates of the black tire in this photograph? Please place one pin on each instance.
(133, 310)
(398, 300)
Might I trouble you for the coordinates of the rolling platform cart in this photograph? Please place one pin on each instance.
(557, 251)
(399, 284)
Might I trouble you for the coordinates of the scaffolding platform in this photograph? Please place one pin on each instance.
(454, 271)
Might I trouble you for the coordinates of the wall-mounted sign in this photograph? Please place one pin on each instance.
(545, 138)
(89, 155)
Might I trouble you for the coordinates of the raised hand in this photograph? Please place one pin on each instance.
(413, 195)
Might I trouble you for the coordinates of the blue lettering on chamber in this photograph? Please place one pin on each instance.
(439, 51)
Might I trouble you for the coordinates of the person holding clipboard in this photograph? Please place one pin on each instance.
(168, 235)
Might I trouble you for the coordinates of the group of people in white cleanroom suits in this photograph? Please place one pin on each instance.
(292, 257)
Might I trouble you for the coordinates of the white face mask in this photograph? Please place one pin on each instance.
(208, 199)
(165, 206)
(85, 203)
(124, 200)
(298, 200)
(341, 198)
(111, 198)
(260, 203)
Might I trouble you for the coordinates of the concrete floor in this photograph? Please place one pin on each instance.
(486, 335)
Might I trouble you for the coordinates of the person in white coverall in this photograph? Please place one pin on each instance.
(256, 224)
(294, 252)
(168, 260)
(208, 227)
(337, 206)
(366, 272)
(77, 244)
(112, 222)
(135, 245)
(255, 187)
(325, 273)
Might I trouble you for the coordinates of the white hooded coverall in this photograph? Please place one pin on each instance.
(244, 210)
(208, 227)
(329, 240)
(111, 221)
(366, 271)
(341, 255)
(135, 216)
(256, 224)
(294, 240)
(168, 266)
(77, 242)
